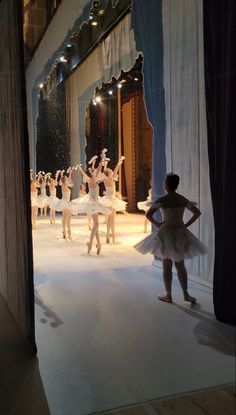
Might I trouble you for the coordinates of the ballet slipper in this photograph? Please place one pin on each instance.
(99, 247)
(190, 299)
(89, 247)
(166, 298)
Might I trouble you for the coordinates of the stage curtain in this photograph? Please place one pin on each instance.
(220, 78)
(16, 264)
(186, 132)
(170, 36)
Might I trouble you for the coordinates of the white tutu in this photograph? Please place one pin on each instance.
(173, 240)
(90, 204)
(42, 200)
(145, 205)
(53, 200)
(111, 201)
(64, 203)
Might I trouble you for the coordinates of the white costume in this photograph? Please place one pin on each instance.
(111, 201)
(53, 199)
(64, 203)
(43, 199)
(172, 240)
(90, 204)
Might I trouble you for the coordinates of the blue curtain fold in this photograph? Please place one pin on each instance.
(148, 33)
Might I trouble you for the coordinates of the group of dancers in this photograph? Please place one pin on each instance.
(89, 203)
(170, 241)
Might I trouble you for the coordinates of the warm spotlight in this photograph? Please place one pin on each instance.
(94, 23)
(98, 98)
(110, 92)
(119, 85)
(41, 85)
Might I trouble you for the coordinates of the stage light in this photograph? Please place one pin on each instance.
(41, 85)
(136, 79)
(63, 59)
(69, 45)
(94, 23)
(94, 102)
(119, 85)
(110, 92)
(123, 81)
(98, 98)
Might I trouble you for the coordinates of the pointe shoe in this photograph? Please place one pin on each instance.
(190, 299)
(69, 235)
(90, 226)
(166, 298)
(107, 239)
(89, 248)
(64, 234)
(99, 247)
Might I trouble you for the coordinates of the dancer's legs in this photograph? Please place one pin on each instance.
(34, 214)
(108, 223)
(68, 220)
(64, 223)
(94, 232)
(183, 280)
(113, 225)
(52, 216)
(89, 222)
(167, 277)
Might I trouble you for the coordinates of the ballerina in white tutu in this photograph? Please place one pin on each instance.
(42, 198)
(92, 206)
(52, 200)
(110, 200)
(173, 242)
(34, 201)
(64, 204)
(145, 205)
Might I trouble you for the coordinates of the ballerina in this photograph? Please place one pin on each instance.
(92, 206)
(173, 242)
(83, 196)
(34, 202)
(64, 204)
(145, 205)
(52, 200)
(110, 200)
(42, 198)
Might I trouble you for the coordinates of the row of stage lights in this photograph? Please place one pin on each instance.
(110, 91)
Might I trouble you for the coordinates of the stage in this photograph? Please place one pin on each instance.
(104, 340)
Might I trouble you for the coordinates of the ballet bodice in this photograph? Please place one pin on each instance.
(43, 190)
(110, 190)
(53, 192)
(66, 195)
(94, 193)
(173, 216)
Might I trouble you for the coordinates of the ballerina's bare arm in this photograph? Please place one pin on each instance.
(79, 167)
(195, 211)
(154, 208)
(116, 169)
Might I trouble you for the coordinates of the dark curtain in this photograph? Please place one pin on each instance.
(16, 258)
(220, 80)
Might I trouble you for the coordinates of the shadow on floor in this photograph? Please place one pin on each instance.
(21, 388)
(211, 332)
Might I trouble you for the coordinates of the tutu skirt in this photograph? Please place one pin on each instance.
(114, 203)
(42, 200)
(174, 242)
(89, 207)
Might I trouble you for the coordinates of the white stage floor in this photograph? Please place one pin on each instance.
(104, 340)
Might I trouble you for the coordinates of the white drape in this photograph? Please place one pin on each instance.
(186, 133)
